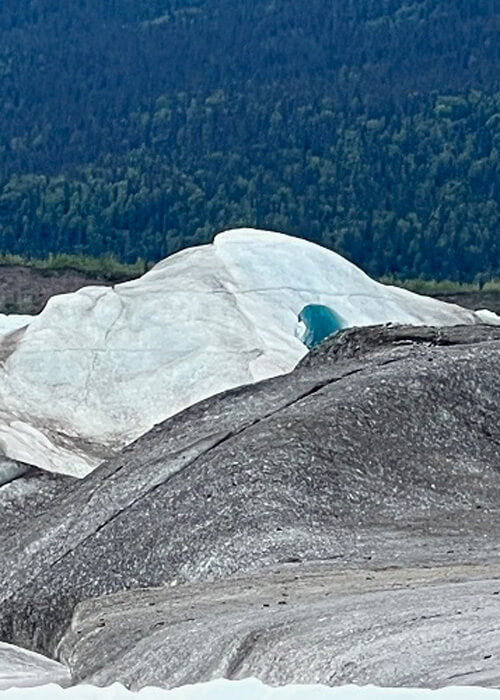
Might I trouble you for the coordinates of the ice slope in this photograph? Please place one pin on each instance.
(250, 689)
(489, 317)
(99, 367)
(11, 322)
(10, 470)
(23, 668)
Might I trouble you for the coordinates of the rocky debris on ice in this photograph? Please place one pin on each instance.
(338, 524)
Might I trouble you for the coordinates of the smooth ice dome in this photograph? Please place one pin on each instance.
(99, 367)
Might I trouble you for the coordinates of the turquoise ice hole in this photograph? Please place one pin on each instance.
(320, 322)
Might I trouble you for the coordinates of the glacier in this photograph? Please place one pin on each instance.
(306, 529)
(10, 470)
(249, 689)
(13, 322)
(23, 668)
(100, 367)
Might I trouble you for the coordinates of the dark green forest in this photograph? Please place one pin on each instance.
(139, 127)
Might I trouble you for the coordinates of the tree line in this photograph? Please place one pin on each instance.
(139, 127)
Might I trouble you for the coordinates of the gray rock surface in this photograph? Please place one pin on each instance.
(378, 458)
(27, 496)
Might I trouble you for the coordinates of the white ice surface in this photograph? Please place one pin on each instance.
(11, 322)
(249, 690)
(22, 668)
(99, 367)
(489, 317)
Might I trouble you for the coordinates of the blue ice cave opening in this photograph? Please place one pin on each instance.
(319, 322)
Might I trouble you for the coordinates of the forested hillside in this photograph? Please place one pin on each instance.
(142, 126)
